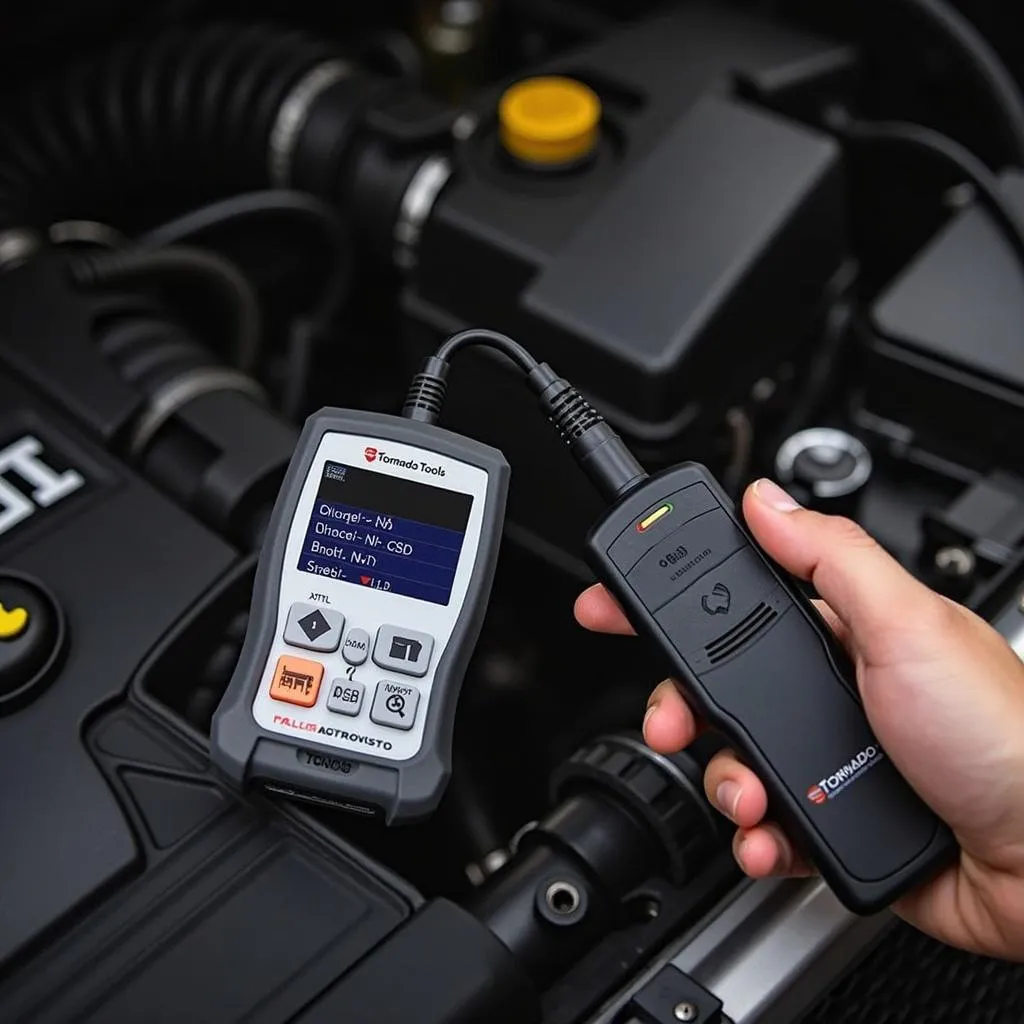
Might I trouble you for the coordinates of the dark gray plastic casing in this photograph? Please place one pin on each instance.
(403, 791)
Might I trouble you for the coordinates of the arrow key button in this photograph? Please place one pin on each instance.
(314, 628)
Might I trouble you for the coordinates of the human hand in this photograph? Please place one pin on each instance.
(944, 694)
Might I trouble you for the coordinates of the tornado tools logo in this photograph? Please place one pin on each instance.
(845, 775)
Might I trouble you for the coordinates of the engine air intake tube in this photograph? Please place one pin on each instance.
(192, 113)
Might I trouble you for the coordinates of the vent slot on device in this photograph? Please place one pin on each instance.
(741, 634)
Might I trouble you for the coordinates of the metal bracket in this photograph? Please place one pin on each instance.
(672, 997)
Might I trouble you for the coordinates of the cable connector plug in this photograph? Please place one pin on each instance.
(597, 448)
(427, 392)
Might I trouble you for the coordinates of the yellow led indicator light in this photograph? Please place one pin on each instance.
(660, 513)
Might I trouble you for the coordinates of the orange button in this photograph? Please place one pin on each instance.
(297, 681)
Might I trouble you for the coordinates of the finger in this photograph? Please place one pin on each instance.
(766, 852)
(735, 790)
(865, 586)
(597, 610)
(838, 627)
(669, 724)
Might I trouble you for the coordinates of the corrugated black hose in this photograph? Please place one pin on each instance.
(189, 112)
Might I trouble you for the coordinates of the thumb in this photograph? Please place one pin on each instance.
(873, 595)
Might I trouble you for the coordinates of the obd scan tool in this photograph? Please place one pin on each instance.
(369, 597)
(373, 585)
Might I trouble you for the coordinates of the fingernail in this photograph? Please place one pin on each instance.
(783, 849)
(740, 852)
(772, 495)
(649, 714)
(727, 797)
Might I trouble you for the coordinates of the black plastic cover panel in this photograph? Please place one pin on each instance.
(646, 276)
(962, 299)
(123, 562)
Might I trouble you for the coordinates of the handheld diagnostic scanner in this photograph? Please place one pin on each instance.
(369, 597)
(757, 662)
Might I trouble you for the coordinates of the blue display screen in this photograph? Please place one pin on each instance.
(386, 533)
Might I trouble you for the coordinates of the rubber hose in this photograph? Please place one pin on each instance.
(211, 270)
(188, 112)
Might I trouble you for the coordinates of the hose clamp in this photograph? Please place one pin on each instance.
(174, 395)
(87, 232)
(17, 246)
(416, 206)
(293, 114)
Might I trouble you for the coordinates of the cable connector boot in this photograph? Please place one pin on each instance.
(427, 392)
(598, 449)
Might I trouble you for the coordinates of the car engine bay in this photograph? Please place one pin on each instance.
(789, 244)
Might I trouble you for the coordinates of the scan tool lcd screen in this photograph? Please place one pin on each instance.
(385, 532)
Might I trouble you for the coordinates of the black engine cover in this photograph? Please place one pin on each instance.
(135, 887)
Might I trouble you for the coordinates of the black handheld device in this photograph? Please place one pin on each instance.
(755, 659)
(369, 596)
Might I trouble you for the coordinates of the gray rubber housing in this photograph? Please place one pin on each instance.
(404, 791)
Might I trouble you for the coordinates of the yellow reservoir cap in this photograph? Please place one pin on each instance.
(549, 120)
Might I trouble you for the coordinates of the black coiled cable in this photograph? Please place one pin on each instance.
(188, 112)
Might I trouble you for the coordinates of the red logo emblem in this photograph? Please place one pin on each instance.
(370, 453)
(816, 795)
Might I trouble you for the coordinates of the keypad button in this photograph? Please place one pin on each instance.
(314, 628)
(356, 647)
(403, 650)
(395, 704)
(297, 681)
(346, 697)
